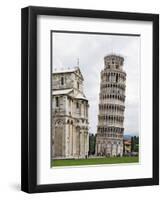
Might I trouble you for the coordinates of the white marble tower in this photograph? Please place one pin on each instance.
(109, 140)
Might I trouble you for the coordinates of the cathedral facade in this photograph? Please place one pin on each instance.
(109, 139)
(70, 138)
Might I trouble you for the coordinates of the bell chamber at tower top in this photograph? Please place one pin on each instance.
(113, 70)
(113, 62)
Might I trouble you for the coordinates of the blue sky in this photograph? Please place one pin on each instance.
(91, 49)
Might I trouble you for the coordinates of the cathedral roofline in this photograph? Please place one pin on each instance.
(81, 96)
(68, 70)
(67, 91)
(63, 91)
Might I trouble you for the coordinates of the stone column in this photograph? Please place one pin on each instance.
(87, 136)
(74, 141)
(81, 143)
(71, 139)
(85, 143)
(66, 140)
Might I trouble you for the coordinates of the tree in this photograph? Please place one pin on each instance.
(135, 144)
(92, 144)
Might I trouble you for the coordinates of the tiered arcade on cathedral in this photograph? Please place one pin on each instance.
(109, 139)
(70, 137)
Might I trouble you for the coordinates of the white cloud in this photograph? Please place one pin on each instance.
(91, 49)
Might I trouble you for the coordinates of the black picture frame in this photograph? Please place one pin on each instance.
(29, 99)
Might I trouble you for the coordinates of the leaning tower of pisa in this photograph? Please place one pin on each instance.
(109, 139)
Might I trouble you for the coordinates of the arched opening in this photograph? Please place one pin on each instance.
(62, 80)
(116, 78)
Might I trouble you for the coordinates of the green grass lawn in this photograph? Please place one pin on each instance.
(95, 161)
